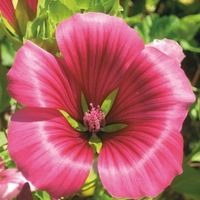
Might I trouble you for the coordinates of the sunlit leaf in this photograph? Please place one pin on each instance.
(72, 5)
(3, 139)
(59, 11)
(111, 7)
(38, 28)
(89, 186)
(42, 195)
(84, 5)
(196, 157)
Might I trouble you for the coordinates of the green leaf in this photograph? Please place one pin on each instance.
(108, 102)
(39, 28)
(188, 183)
(195, 157)
(4, 97)
(111, 7)
(131, 21)
(85, 5)
(9, 32)
(195, 109)
(116, 9)
(189, 26)
(59, 11)
(105, 197)
(72, 5)
(7, 53)
(188, 46)
(74, 124)
(157, 27)
(42, 195)
(9, 163)
(147, 198)
(84, 103)
(3, 139)
(113, 127)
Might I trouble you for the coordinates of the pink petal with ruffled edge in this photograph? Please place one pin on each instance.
(52, 155)
(153, 100)
(154, 88)
(7, 10)
(169, 47)
(38, 79)
(140, 161)
(98, 49)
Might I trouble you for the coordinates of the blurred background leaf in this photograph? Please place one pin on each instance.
(188, 183)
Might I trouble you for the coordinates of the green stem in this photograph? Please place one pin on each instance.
(3, 127)
(126, 8)
(196, 76)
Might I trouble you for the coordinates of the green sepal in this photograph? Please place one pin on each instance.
(74, 124)
(95, 142)
(113, 128)
(84, 103)
(108, 102)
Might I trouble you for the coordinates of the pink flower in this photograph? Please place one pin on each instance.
(7, 10)
(169, 47)
(11, 182)
(26, 8)
(32, 4)
(101, 54)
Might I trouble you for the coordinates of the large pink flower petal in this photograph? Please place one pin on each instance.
(155, 88)
(140, 161)
(153, 100)
(48, 151)
(37, 79)
(98, 49)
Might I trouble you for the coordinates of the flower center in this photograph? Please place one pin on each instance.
(94, 119)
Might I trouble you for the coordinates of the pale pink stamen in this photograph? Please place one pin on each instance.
(94, 119)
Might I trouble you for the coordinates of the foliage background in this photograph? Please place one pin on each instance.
(153, 19)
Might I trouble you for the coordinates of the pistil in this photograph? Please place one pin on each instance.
(94, 119)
